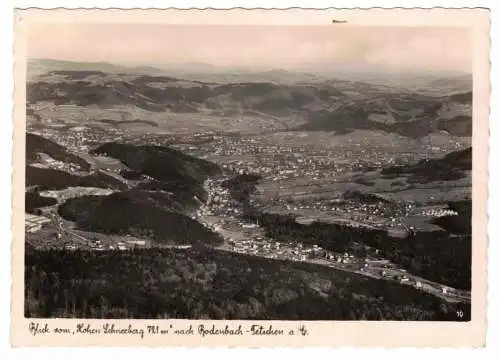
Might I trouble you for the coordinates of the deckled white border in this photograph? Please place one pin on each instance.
(6, 149)
(443, 331)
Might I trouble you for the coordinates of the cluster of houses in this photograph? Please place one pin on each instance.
(219, 201)
(291, 251)
(439, 212)
(99, 245)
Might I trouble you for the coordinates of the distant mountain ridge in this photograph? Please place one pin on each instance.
(329, 105)
(36, 67)
(313, 72)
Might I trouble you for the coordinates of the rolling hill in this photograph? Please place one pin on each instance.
(36, 144)
(450, 167)
(54, 179)
(129, 213)
(168, 186)
(413, 116)
(170, 170)
(326, 105)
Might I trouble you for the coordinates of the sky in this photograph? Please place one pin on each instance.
(285, 47)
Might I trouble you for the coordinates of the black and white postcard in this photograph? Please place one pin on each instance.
(250, 177)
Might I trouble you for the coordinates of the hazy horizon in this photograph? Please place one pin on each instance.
(294, 48)
(199, 67)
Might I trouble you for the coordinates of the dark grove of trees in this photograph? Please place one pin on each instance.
(449, 167)
(210, 284)
(138, 214)
(457, 224)
(33, 201)
(241, 186)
